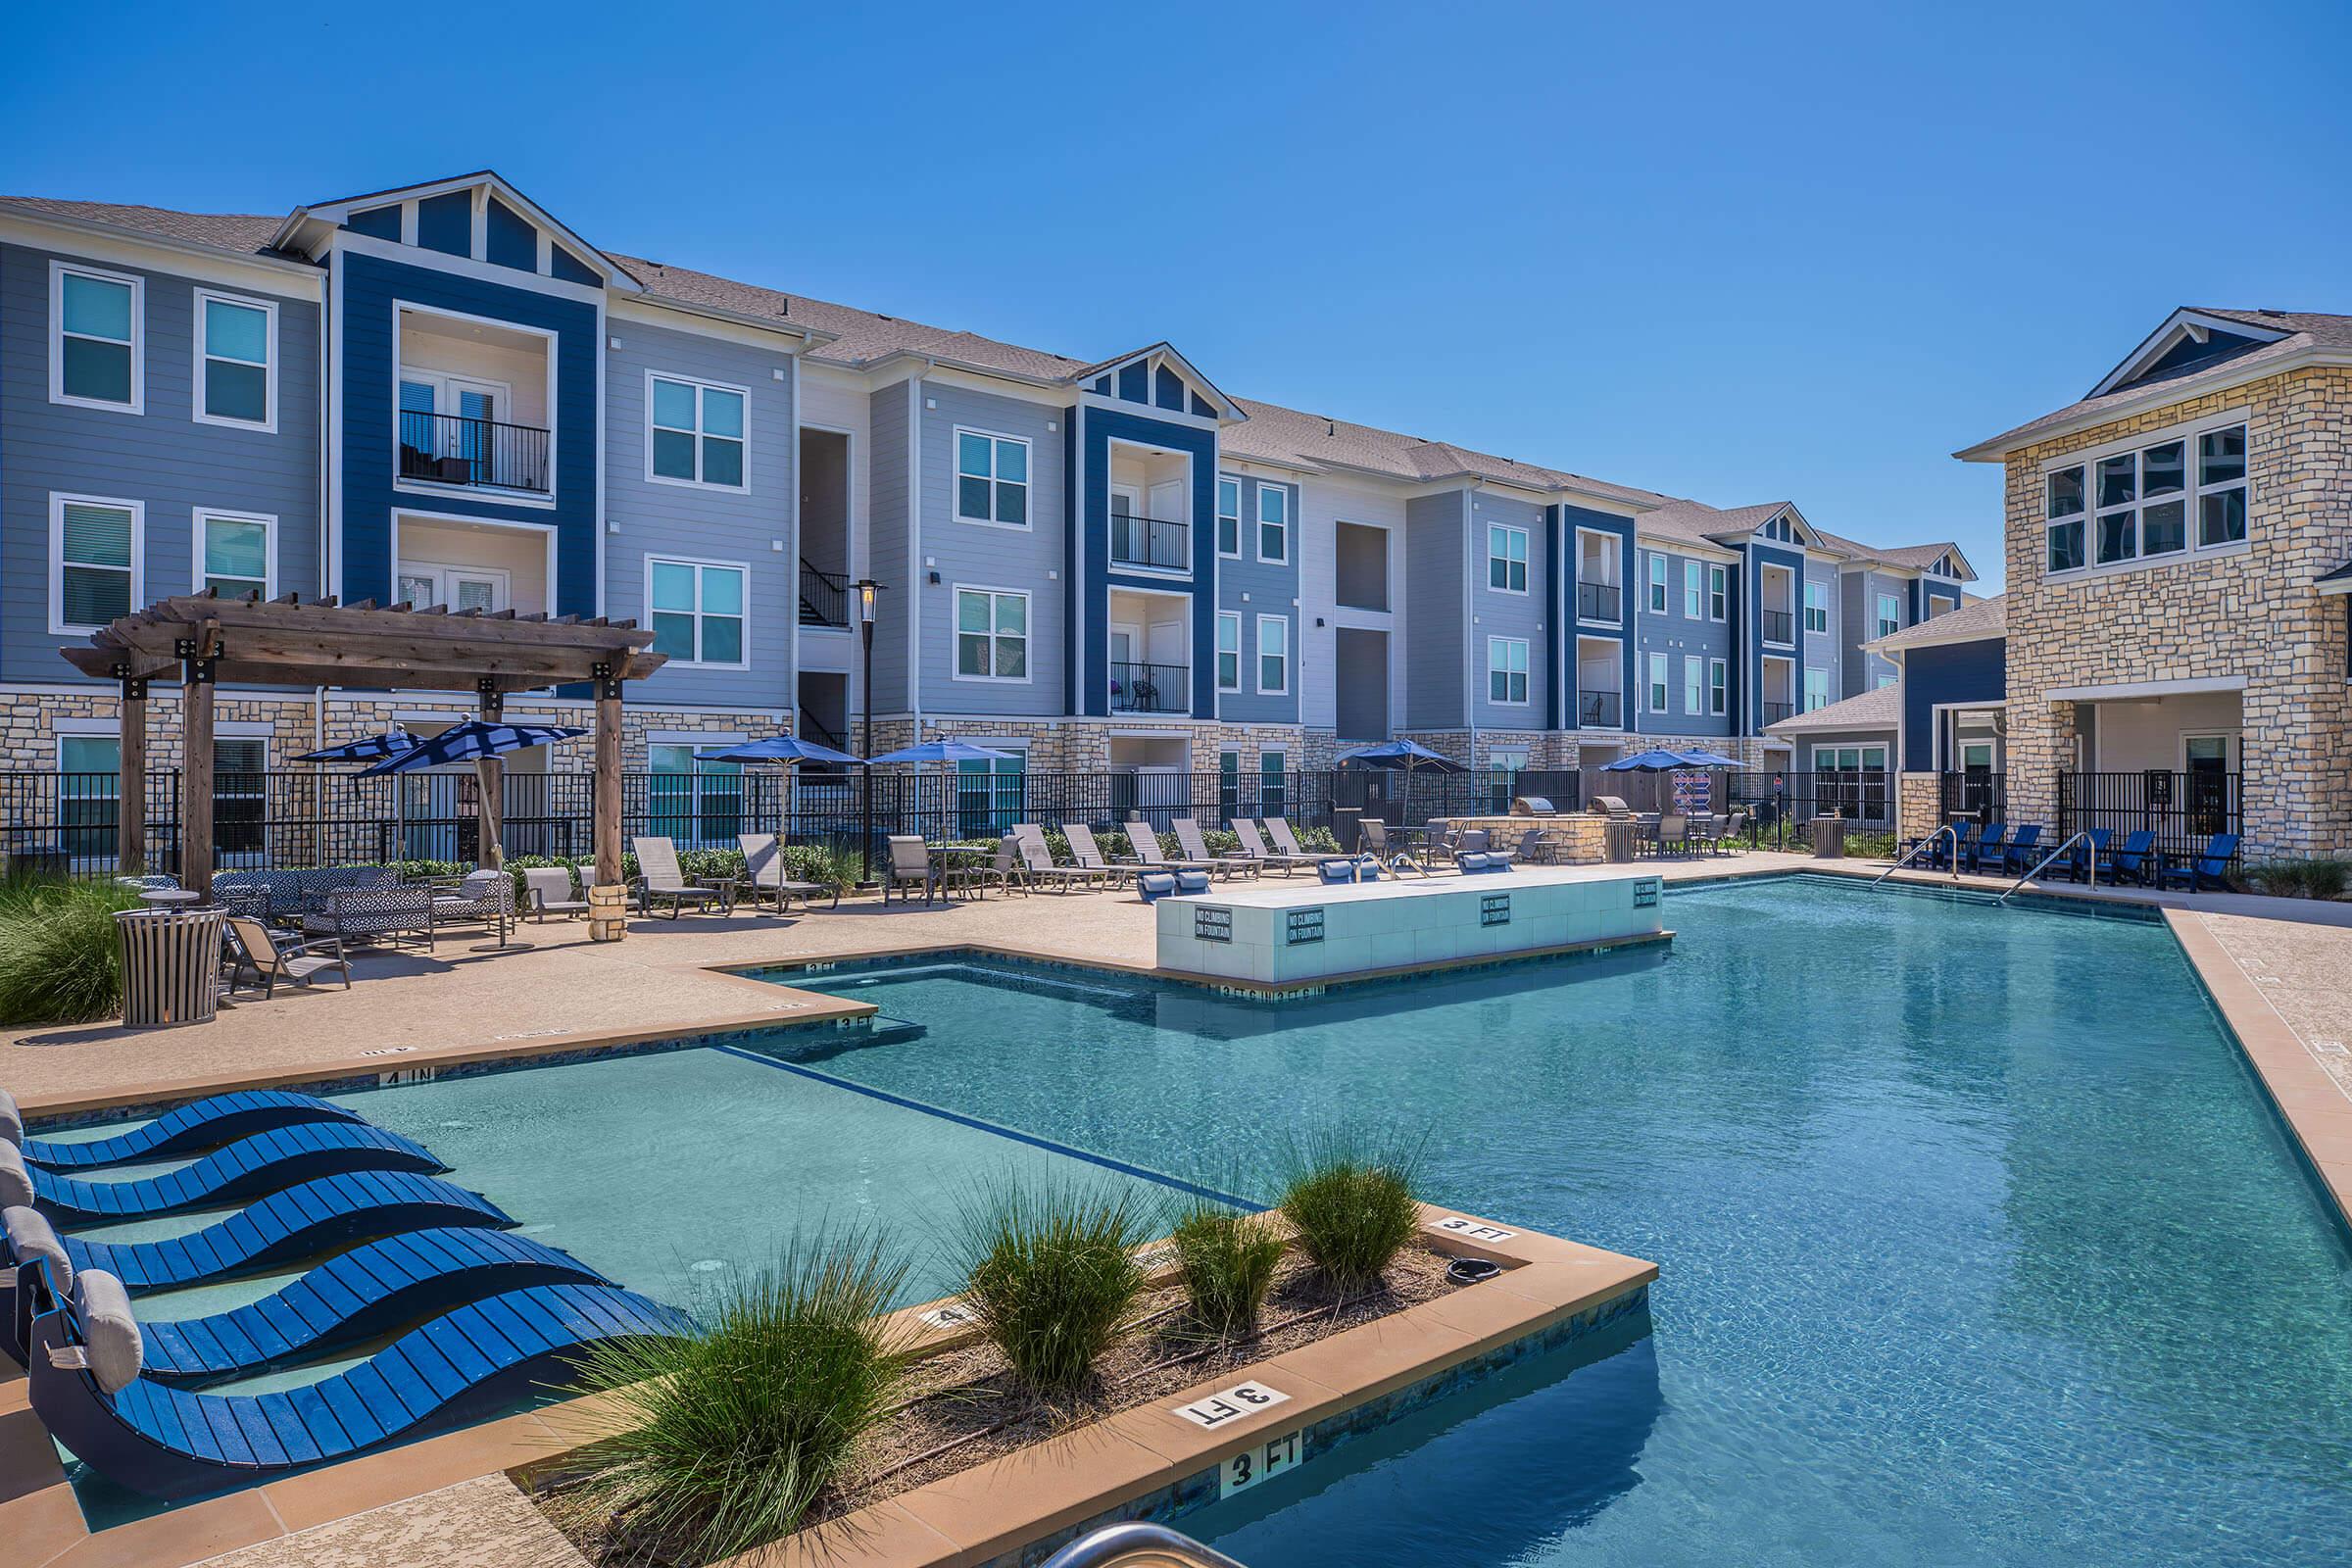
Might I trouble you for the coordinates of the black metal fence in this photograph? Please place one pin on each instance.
(825, 597)
(450, 449)
(1139, 688)
(1974, 793)
(2183, 810)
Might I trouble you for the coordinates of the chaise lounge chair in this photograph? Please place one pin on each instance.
(1152, 858)
(658, 878)
(257, 948)
(200, 1124)
(1255, 847)
(86, 1384)
(250, 1168)
(763, 875)
(1278, 828)
(1195, 848)
(1090, 857)
(1037, 859)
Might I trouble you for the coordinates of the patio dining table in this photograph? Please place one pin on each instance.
(946, 859)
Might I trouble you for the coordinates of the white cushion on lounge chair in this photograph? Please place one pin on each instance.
(32, 1240)
(16, 1182)
(110, 1330)
(12, 1120)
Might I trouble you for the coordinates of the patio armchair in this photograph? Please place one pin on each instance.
(2085, 861)
(484, 897)
(909, 866)
(252, 946)
(659, 879)
(2136, 858)
(1723, 837)
(1383, 853)
(1673, 829)
(548, 891)
(763, 876)
(2209, 865)
(289, 897)
(355, 914)
(1990, 844)
(2024, 850)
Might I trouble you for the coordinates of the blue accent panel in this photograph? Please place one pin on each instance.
(1911, 604)
(1072, 530)
(1094, 514)
(1751, 596)
(445, 223)
(1555, 567)
(1132, 388)
(1102, 384)
(377, 223)
(508, 239)
(1168, 392)
(372, 291)
(1571, 518)
(562, 264)
(1200, 406)
(1947, 672)
(1943, 600)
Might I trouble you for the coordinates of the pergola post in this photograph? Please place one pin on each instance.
(198, 658)
(489, 774)
(605, 801)
(130, 781)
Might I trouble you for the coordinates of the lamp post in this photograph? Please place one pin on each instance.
(870, 592)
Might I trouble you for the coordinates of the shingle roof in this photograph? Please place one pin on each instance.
(1882, 708)
(1918, 557)
(1293, 435)
(229, 231)
(1703, 524)
(1986, 618)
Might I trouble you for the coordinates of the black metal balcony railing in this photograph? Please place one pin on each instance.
(1600, 601)
(1150, 688)
(450, 449)
(1774, 712)
(1151, 542)
(1600, 709)
(824, 596)
(1779, 626)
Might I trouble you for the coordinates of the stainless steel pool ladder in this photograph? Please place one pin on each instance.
(2084, 838)
(1922, 848)
(1138, 1546)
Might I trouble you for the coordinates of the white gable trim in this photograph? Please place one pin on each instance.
(2181, 323)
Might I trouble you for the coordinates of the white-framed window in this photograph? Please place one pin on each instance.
(992, 479)
(1229, 650)
(1657, 683)
(1719, 592)
(1273, 523)
(1506, 559)
(2156, 502)
(1886, 681)
(97, 338)
(697, 610)
(695, 433)
(1817, 688)
(1890, 615)
(696, 803)
(1695, 684)
(236, 360)
(1506, 672)
(1229, 517)
(1694, 592)
(1817, 606)
(992, 634)
(236, 553)
(1658, 584)
(1273, 782)
(1273, 654)
(97, 553)
(1719, 687)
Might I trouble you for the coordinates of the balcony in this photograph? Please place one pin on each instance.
(1600, 709)
(1150, 688)
(825, 597)
(1600, 601)
(486, 453)
(1151, 542)
(1779, 626)
(1774, 712)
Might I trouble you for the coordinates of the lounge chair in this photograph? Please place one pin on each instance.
(484, 897)
(252, 1168)
(86, 1384)
(257, 948)
(2136, 858)
(1037, 859)
(1278, 829)
(1154, 886)
(763, 875)
(1090, 857)
(1255, 847)
(547, 890)
(2024, 850)
(1942, 851)
(1195, 848)
(660, 879)
(2209, 865)
(1150, 857)
(1990, 844)
(2082, 862)
(1532, 849)
(198, 1125)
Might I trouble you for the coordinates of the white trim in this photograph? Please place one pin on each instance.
(203, 361)
(700, 386)
(1218, 514)
(1694, 686)
(2183, 322)
(956, 633)
(2144, 688)
(1625, 592)
(494, 495)
(1289, 656)
(200, 515)
(57, 337)
(59, 500)
(1719, 573)
(699, 565)
(1658, 678)
(1656, 582)
(1028, 484)
(546, 531)
(1217, 652)
(2190, 497)
(1525, 562)
(1805, 607)
(1259, 525)
(1719, 688)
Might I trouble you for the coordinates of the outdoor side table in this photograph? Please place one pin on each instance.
(170, 967)
(171, 897)
(724, 886)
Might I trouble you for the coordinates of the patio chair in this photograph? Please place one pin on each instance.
(763, 876)
(548, 891)
(1946, 853)
(1255, 847)
(373, 914)
(2024, 850)
(1439, 840)
(1532, 849)
(1038, 860)
(2209, 865)
(254, 947)
(660, 879)
(1384, 853)
(200, 1124)
(1990, 844)
(1188, 839)
(1673, 829)
(2136, 858)
(1004, 868)
(1723, 837)
(1150, 856)
(483, 897)
(2082, 862)
(1090, 857)
(909, 866)
(1278, 828)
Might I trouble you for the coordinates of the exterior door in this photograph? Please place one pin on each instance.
(2205, 758)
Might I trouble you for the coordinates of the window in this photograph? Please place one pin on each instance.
(1229, 651)
(90, 784)
(992, 479)
(236, 555)
(1506, 670)
(2062, 518)
(237, 352)
(1229, 517)
(1694, 590)
(1817, 688)
(1229, 784)
(989, 791)
(1273, 654)
(2222, 487)
(992, 634)
(1695, 684)
(2140, 504)
(94, 354)
(1719, 592)
(1817, 606)
(1273, 783)
(695, 803)
(697, 610)
(1273, 522)
(1657, 683)
(1886, 681)
(95, 552)
(1719, 692)
(1890, 615)
(1657, 585)
(696, 435)
(1506, 559)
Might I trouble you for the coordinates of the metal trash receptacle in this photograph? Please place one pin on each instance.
(1828, 837)
(170, 967)
(1624, 841)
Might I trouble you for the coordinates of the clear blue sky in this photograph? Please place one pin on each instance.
(1743, 253)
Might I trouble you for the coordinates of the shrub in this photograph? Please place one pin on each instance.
(1050, 1273)
(1354, 1206)
(60, 959)
(718, 1443)
(1228, 1260)
(2300, 879)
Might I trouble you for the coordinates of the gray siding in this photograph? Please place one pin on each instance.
(1434, 553)
(1822, 649)
(891, 551)
(1862, 594)
(979, 556)
(1679, 637)
(162, 457)
(1251, 588)
(1497, 614)
(685, 522)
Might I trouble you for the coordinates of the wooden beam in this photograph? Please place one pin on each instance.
(489, 777)
(196, 771)
(606, 801)
(130, 781)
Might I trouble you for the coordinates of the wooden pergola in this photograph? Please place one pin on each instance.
(207, 639)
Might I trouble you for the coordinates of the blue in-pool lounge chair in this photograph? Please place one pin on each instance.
(249, 1168)
(200, 1124)
(2209, 865)
(2137, 857)
(2024, 850)
(86, 1384)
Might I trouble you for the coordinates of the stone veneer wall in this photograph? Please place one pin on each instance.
(2252, 616)
(1083, 744)
(1919, 802)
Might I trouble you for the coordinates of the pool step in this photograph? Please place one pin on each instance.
(881, 1029)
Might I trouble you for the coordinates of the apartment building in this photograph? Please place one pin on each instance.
(443, 393)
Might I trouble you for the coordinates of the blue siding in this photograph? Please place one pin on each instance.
(1498, 613)
(508, 239)
(1270, 589)
(1168, 390)
(445, 223)
(1133, 380)
(1751, 704)
(892, 559)
(1947, 672)
(980, 556)
(377, 222)
(1436, 633)
(563, 264)
(1099, 426)
(1573, 518)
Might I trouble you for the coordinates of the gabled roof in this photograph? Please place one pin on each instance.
(333, 212)
(1295, 437)
(1882, 708)
(1911, 558)
(246, 234)
(1973, 623)
(1163, 350)
(1724, 527)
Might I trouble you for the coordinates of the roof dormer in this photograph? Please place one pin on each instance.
(1160, 377)
(477, 217)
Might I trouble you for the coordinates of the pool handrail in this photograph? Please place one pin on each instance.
(1917, 849)
(2091, 847)
(1138, 1545)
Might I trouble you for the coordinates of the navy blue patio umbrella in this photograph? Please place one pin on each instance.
(374, 748)
(1703, 757)
(948, 751)
(786, 749)
(1402, 755)
(469, 741)
(1650, 762)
